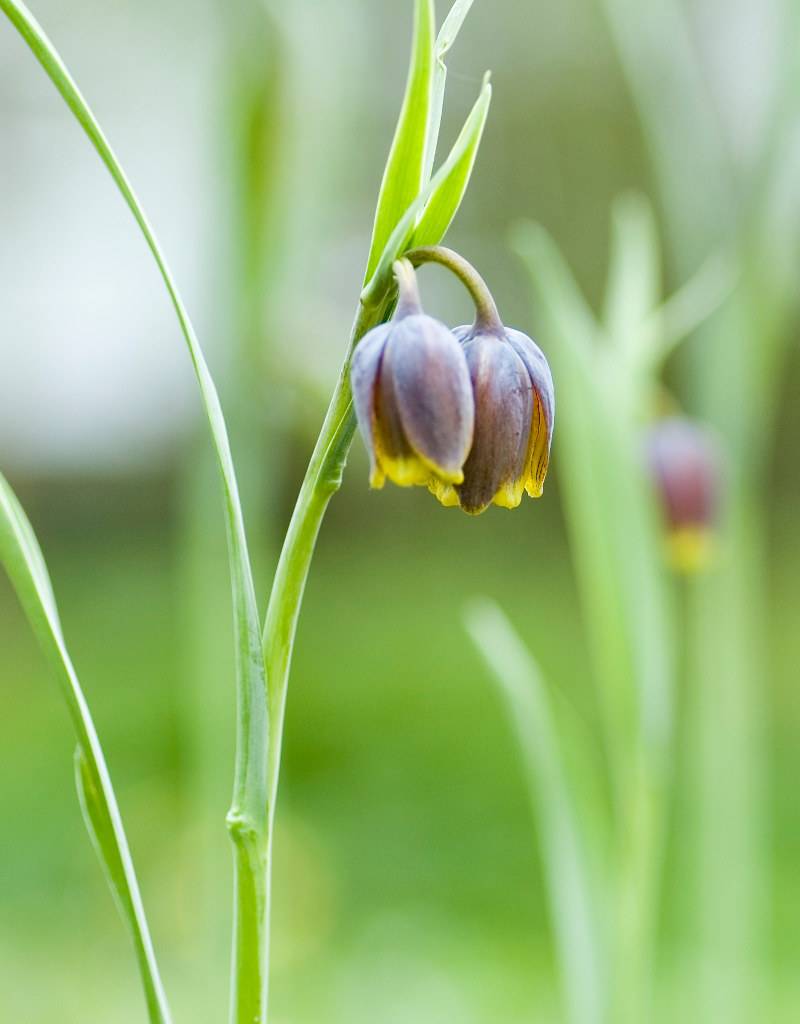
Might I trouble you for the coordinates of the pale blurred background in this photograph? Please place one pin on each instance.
(408, 885)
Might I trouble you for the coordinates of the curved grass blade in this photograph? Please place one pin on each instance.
(427, 219)
(248, 816)
(248, 631)
(444, 42)
(405, 167)
(22, 558)
(564, 853)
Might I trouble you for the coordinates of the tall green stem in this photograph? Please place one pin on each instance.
(637, 895)
(727, 772)
(248, 828)
(323, 478)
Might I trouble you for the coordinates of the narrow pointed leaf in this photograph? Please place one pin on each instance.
(564, 853)
(691, 305)
(445, 200)
(444, 41)
(250, 664)
(436, 205)
(22, 559)
(100, 827)
(405, 167)
(451, 26)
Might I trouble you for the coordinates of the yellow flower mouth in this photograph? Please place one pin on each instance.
(691, 549)
(410, 470)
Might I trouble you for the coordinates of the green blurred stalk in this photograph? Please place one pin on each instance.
(734, 376)
(725, 734)
(636, 894)
(615, 544)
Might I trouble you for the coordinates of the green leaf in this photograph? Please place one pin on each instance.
(565, 854)
(405, 167)
(428, 217)
(634, 284)
(444, 41)
(250, 663)
(443, 204)
(690, 306)
(614, 529)
(100, 827)
(451, 27)
(22, 559)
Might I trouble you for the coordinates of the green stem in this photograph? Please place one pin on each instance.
(323, 478)
(247, 824)
(249, 969)
(636, 897)
(487, 318)
(728, 771)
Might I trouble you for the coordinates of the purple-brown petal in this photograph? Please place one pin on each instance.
(685, 464)
(431, 386)
(542, 381)
(389, 434)
(539, 370)
(364, 372)
(503, 417)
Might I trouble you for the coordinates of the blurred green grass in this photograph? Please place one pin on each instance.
(411, 881)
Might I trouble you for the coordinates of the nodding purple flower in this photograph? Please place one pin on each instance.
(412, 395)
(684, 461)
(514, 414)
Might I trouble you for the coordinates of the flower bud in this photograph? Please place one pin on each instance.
(514, 412)
(412, 395)
(684, 461)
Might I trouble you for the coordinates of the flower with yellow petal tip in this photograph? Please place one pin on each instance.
(684, 461)
(514, 401)
(514, 414)
(412, 395)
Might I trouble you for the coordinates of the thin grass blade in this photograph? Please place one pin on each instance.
(444, 42)
(100, 827)
(246, 611)
(564, 851)
(22, 559)
(248, 816)
(405, 168)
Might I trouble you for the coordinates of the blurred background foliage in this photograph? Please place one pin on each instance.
(408, 879)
